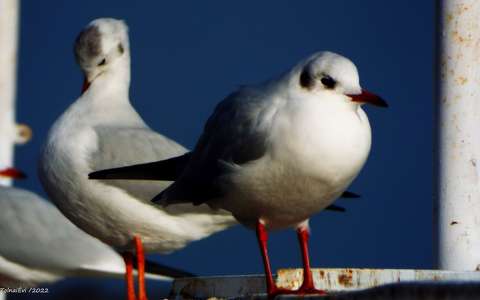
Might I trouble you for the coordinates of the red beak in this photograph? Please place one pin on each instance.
(85, 85)
(370, 98)
(12, 173)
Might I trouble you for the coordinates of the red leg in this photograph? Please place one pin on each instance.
(262, 236)
(128, 258)
(307, 286)
(272, 289)
(142, 293)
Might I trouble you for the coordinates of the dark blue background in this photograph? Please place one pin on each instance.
(187, 55)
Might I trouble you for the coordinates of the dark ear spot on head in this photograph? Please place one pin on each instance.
(120, 48)
(88, 43)
(306, 80)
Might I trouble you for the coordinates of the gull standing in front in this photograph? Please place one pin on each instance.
(101, 129)
(276, 153)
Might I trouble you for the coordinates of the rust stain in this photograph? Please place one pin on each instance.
(461, 8)
(461, 37)
(457, 37)
(321, 273)
(449, 18)
(461, 80)
(346, 279)
(454, 223)
(292, 282)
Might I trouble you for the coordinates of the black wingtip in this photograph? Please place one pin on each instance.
(97, 175)
(158, 199)
(153, 267)
(163, 170)
(133, 172)
(336, 208)
(348, 194)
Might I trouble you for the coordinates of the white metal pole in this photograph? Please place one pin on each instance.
(457, 199)
(10, 133)
(8, 63)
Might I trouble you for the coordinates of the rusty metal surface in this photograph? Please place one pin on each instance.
(218, 287)
(355, 279)
(340, 283)
(408, 291)
(457, 149)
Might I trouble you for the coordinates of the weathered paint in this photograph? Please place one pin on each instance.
(359, 279)
(331, 280)
(218, 287)
(8, 59)
(457, 193)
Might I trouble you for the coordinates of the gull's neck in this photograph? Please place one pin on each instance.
(113, 83)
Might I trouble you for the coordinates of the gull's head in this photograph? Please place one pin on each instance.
(327, 73)
(102, 46)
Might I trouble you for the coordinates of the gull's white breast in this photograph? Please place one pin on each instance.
(314, 153)
(107, 212)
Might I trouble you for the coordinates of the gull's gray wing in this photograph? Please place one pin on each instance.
(119, 147)
(233, 135)
(35, 234)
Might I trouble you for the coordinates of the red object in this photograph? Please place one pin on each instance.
(368, 97)
(272, 289)
(85, 85)
(128, 258)
(307, 286)
(142, 293)
(12, 173)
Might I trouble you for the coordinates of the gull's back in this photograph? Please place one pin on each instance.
(39, 243)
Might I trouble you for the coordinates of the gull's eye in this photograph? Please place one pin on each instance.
(328, 82)
(102, 62)
(120, 48)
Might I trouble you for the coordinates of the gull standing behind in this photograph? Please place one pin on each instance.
(276, 153)
(101, 129)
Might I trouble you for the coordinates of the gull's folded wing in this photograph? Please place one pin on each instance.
(167, 170)
(129, 146)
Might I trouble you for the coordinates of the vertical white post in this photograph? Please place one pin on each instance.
(8, 63)
(457, 199)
